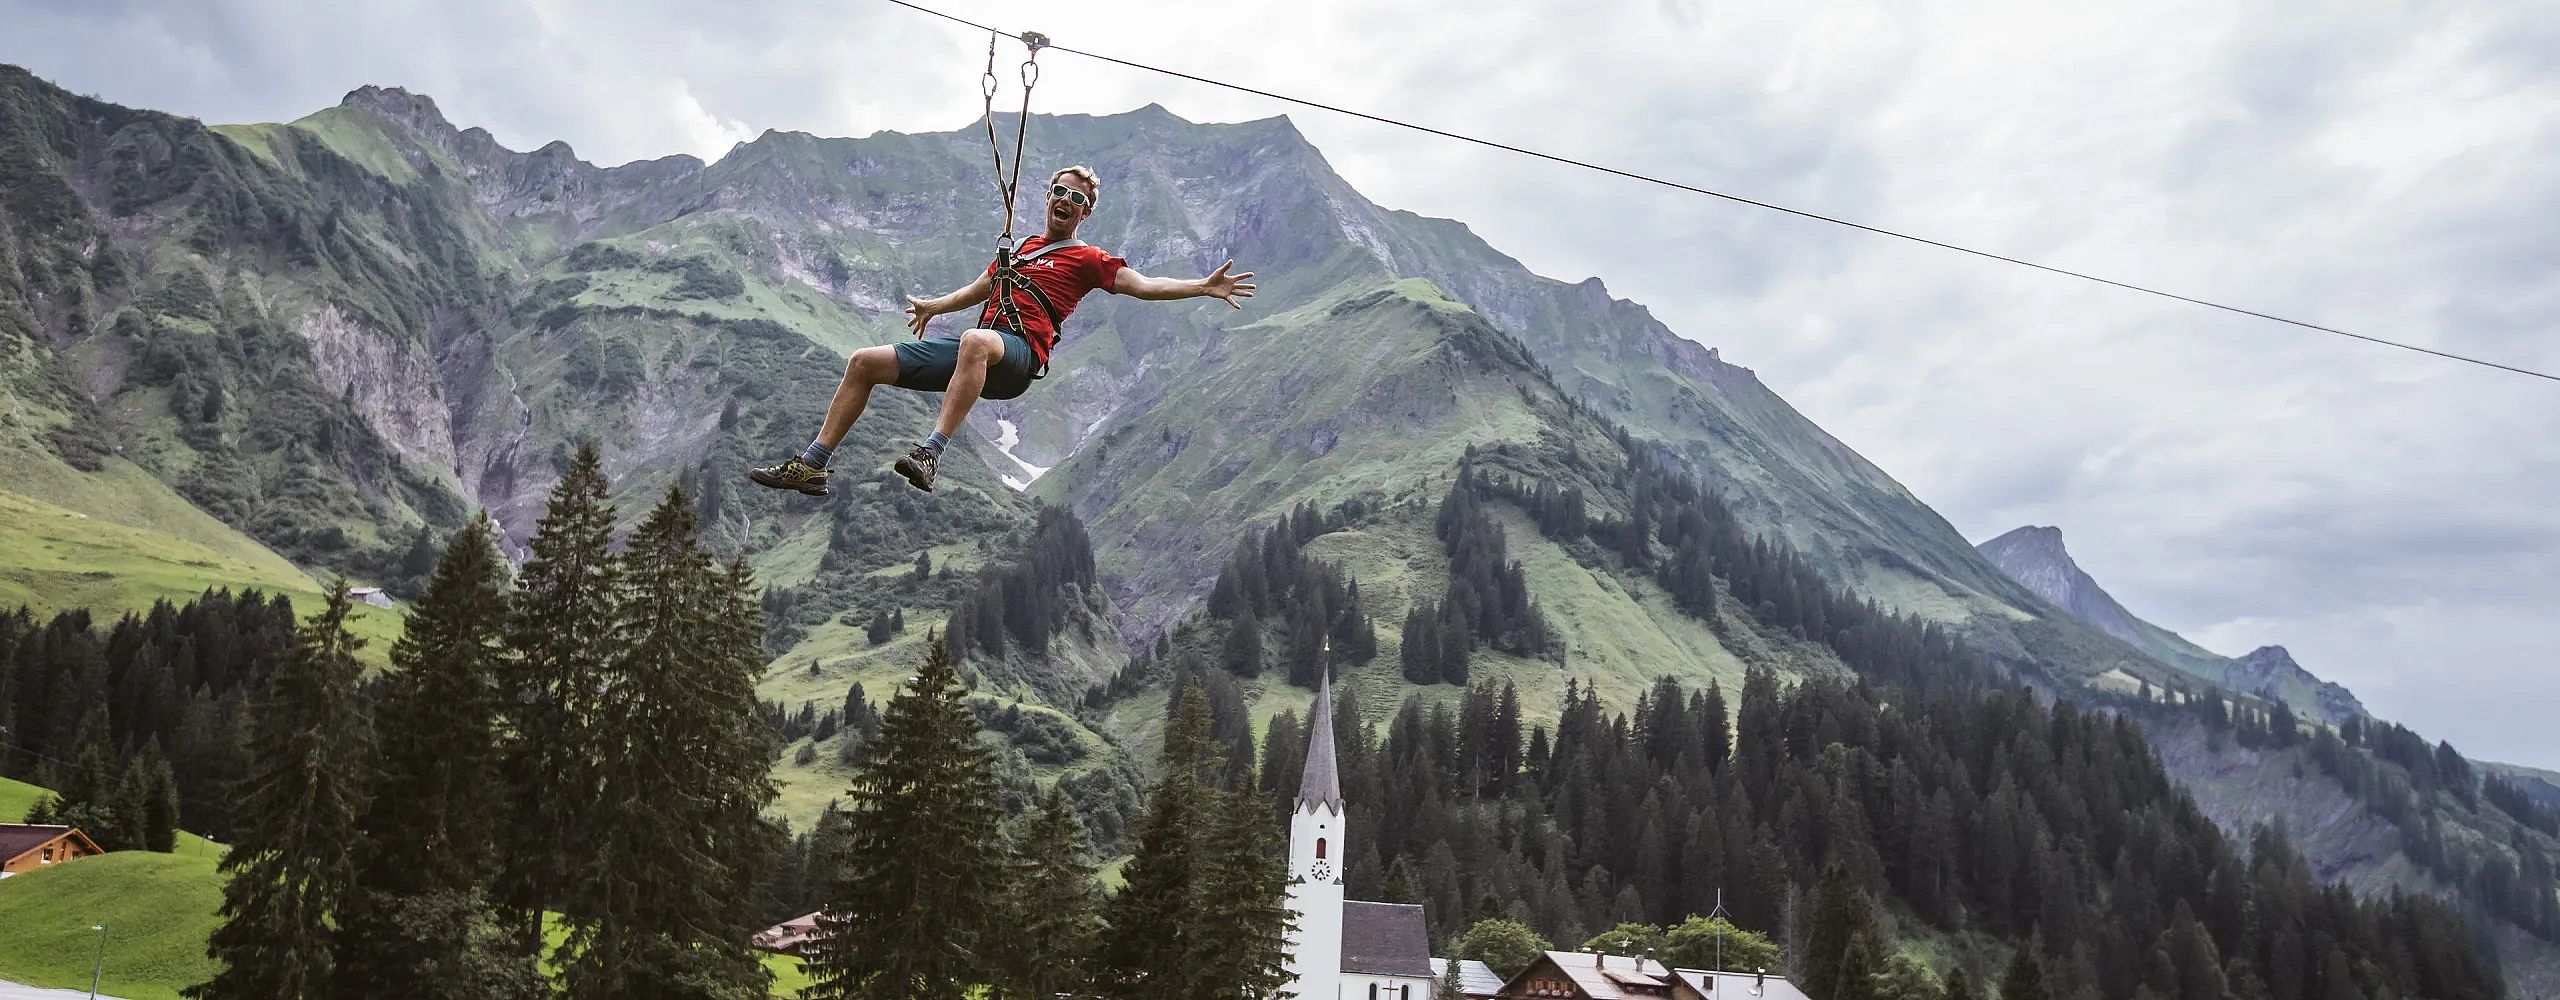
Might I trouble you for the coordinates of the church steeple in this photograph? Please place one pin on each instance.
(1317, 852)
(1321, 785)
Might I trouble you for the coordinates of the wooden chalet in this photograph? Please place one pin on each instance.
(1574, 975)
(25, 848)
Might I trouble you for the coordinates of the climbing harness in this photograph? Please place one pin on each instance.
(1008, 275)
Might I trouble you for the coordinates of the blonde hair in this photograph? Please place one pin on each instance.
(1086, 173)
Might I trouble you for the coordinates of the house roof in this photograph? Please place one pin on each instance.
(19, 838)
(1740, 986)
(1385, 939)
(1475, 979)
(1613, 977)
(1321, 785)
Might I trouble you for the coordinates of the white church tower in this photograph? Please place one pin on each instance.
(1316, 858)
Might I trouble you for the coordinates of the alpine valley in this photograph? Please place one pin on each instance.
(268, 355)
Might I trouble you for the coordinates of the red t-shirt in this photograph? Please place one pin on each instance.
(1065, 277)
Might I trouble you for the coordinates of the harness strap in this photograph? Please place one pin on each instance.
(1008, 274)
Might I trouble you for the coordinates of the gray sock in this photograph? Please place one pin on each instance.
(933, 442)
(816, 454)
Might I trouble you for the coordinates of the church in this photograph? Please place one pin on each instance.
(1343, 949)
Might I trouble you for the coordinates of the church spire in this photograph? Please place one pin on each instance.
(1321, 786)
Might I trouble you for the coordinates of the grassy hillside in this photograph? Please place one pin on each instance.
(159, 910)
(57, 559)
(17, 797)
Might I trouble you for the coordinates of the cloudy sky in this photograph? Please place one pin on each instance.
(2388, 168)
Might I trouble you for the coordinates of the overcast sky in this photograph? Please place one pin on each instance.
(2388, 168)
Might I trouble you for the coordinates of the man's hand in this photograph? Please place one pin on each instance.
(1229, 287)
(918, 311)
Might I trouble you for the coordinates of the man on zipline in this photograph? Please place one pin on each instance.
(990, 360)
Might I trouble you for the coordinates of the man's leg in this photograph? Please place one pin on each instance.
(867, 367)
(979, 351)
(807, 471)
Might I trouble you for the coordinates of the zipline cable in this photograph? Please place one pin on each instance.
(1817, 216)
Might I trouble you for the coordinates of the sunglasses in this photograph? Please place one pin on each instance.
(1070, 194)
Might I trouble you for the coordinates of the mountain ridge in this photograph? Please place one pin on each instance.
(2037, 558)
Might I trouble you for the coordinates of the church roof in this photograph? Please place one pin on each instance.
(1321, 784)
(1385, 939)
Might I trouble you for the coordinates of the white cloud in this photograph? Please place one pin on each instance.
(2382, 167)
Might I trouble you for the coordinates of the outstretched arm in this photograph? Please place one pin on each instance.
(921, 310)
(1219, 283)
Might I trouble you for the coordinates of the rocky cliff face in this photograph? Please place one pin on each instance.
(2270, 671)
(2037, 559)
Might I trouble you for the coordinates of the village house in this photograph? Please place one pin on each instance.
(1573, 975)
(25, 848)
(1476, 980)
(789, 936)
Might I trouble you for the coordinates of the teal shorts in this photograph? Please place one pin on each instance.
(926, 366)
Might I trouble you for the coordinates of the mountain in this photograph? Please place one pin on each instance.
(334, 335)
(2035, 557)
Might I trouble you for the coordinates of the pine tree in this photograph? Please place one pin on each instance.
(1447, 987)
(1842, 946)
(289, 866)
(664, 904)
(1242, 901)
(906, 916)
(2025, 978)
(89, 798)
(1155, 935)
(1243, 653)
(558, 627)
(1052, 917)
(160, 800)
(418, 917)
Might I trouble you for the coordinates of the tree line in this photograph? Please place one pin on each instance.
(1987, 812)
(99, 714)
(576, 752)
(934, 897)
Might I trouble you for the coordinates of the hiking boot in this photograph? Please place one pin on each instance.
(794, 474)
(918, 468)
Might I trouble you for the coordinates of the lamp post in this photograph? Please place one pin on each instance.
(101, 964)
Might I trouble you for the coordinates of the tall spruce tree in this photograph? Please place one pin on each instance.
(1204, 914)
(289, 863)
(1153, 931)
(665, 899)
(907, 915)
(2025, 978)
(1242, 899)
(1842, 947)
(1051, 909)
(418, 920)
(159, 800)
(560, 627)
